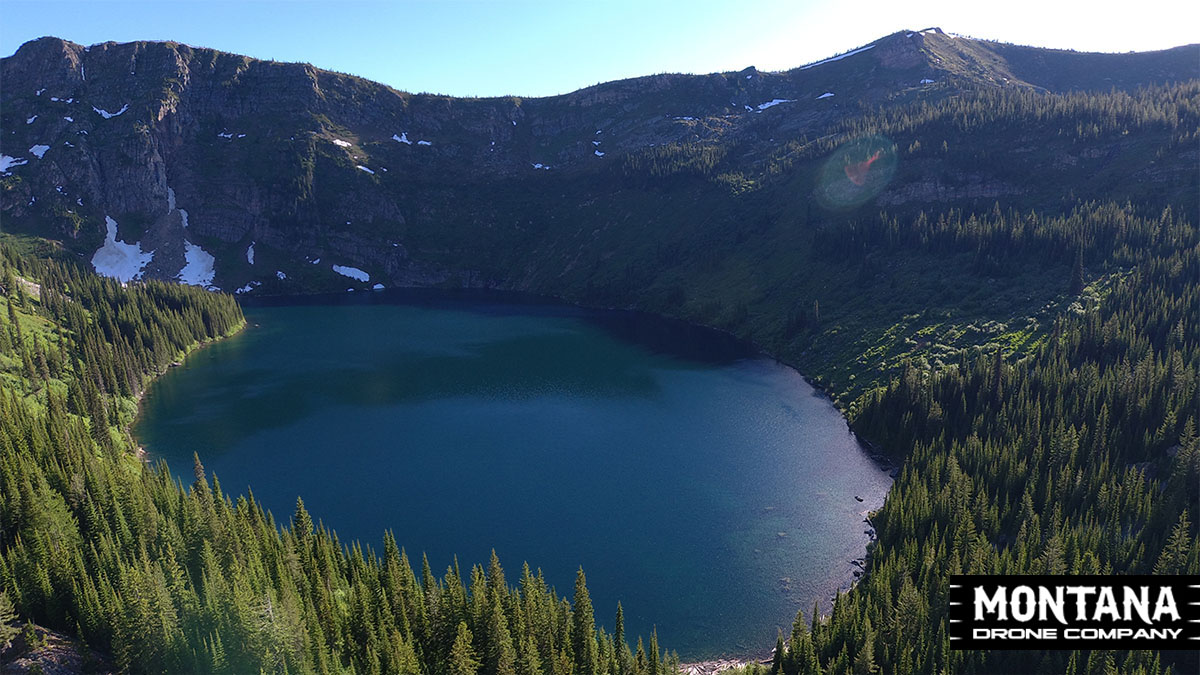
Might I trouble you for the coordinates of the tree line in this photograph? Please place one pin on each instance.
(172, 578)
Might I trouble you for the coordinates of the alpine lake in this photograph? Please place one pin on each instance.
(709, 489)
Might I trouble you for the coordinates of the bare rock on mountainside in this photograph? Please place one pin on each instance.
(513, 192)
(52, 653)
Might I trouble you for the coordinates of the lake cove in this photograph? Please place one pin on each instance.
(712, 491)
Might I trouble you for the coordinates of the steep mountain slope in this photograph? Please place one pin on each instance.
(697, 196)
(418, 189)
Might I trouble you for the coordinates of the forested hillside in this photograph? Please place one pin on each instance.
(1080, 456)
(168, 578)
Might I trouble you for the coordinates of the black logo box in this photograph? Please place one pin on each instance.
(1129, 631)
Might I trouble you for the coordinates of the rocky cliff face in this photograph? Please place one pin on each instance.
(308, 165)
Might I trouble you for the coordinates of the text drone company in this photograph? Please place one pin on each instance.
(1076, 634)
(1072, 612)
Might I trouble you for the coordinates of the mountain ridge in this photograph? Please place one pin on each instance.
(690, 195)
(564, 132)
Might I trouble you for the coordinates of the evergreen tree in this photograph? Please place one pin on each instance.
(1174, 556)
(864, 661)
(462, 654)
(1077, 281)
(8, 621)
(583, 629)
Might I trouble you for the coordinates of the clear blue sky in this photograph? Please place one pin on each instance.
(535, 48)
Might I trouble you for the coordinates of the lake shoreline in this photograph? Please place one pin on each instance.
(139, 452)
(516, 299)
(721, 665)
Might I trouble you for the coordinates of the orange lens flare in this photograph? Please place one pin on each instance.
(857, 173)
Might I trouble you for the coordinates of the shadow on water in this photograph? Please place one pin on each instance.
(269, 397)
(658, 334)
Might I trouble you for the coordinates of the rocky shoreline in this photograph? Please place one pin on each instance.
(715, 666)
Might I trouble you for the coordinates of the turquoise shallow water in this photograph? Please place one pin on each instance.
(710, 490)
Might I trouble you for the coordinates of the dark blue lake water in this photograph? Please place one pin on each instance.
(710, 490)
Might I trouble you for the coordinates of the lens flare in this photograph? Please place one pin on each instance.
(855, 173)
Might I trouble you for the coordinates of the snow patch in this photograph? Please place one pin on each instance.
(39, 150)
(352, 272)
(170, 200)
(837, 58)
(280, 275)
(317, 261)
(68, 119)
(119, 259)
(199, 268)
(107, 115)
(7, 163)
(31, 120)
(749, 77)
(599, 154)
(341, 144)
(366, 169)
(424, 143)
(539, 165)
(183, 217)
(225, 135)
(39, 92)
(774, 102)
(250, 253)
(686, 119)
(827, 94)
(377, 287)
(402, 138)
(927, 81)
(248, 287)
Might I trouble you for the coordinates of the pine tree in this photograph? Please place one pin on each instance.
(1174, 556)
(619, 625)
(653, 662)
(1077, 281)
(8, 621)
(462, 654)
(778, 655)
(528, 661)
(864, 661)
(302, 524)
(583, 629)
(501, 657)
